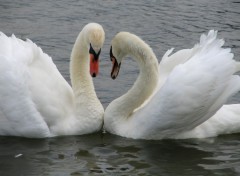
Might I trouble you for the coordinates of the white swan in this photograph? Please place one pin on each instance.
(36, 101)
(173, 99)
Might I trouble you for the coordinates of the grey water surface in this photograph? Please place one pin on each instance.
(54, 26)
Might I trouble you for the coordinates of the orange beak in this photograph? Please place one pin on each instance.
(94, 65)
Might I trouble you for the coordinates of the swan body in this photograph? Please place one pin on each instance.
(225, 121)
(177, 97)
(36, 101)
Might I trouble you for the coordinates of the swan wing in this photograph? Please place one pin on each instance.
(191, 94)
(169, 62)
(225, 121)
(32, 90)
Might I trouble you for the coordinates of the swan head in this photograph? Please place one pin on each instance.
(120, 46)
(125, 43)
(94, 37)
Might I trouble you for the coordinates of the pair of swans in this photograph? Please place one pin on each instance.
(174, 99)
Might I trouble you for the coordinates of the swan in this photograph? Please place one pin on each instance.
(36, 101)
(177, 97)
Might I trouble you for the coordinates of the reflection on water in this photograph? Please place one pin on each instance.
(54, 25)
(107, 154)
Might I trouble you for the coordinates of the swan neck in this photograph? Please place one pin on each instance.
(82, 84)
(145, 83)
(79, 67)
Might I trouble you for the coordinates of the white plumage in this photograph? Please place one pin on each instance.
(36, 101)
(175, 99)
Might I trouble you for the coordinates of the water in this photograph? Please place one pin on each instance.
(54, 25)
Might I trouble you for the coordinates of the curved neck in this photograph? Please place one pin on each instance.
(88, 108)
(82, 84)
(79, 68)
(145, 83)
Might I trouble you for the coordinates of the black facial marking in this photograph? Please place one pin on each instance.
(111, 54)
(96, 55)
(94, 75)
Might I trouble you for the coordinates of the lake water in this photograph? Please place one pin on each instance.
(54, 25)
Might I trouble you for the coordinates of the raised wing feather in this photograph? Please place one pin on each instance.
(192, 92)
(31, 89)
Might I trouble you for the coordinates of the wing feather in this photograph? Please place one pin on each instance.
(193, 91)
(29, 83)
